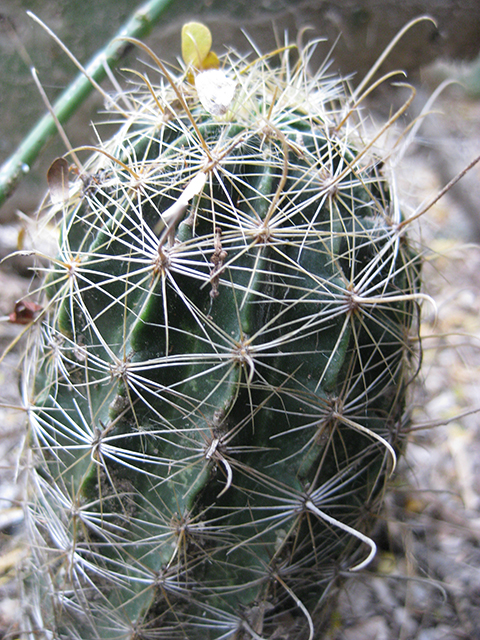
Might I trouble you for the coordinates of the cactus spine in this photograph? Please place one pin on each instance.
(216, 393)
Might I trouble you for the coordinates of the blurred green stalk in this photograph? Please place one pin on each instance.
(137, 26)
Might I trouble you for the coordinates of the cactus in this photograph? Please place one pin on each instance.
(216, 387)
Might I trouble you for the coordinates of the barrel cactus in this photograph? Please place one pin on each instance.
(216, 387)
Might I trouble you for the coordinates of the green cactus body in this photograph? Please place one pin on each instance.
(219, 384)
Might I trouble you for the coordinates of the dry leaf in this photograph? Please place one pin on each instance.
(24, 312)
(57, 178)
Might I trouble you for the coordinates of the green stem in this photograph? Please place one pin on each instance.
(137, 26)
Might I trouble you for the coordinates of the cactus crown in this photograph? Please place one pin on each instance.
(216, 393)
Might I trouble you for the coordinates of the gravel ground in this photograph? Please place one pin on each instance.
(425, 581)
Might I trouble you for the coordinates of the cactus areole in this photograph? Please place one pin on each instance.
(217, 384)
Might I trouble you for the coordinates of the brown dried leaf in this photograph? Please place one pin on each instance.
(57, 178)
(24, 312)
